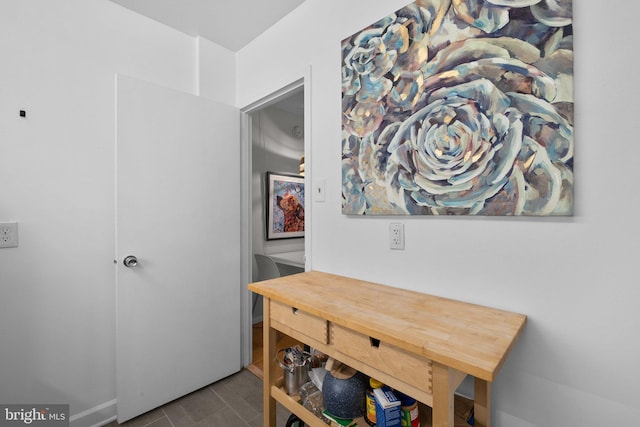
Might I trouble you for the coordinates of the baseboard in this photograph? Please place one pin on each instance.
(96, 416)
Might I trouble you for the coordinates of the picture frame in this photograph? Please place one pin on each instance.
(284, 206)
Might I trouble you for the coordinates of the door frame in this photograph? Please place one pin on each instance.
(246, 220)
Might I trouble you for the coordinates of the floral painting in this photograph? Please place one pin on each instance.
(460, 107)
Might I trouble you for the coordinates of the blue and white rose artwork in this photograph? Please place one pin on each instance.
(460, 107)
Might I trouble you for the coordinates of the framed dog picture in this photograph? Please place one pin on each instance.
(285, 206)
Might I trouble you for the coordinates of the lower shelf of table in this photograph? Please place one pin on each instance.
(296, 408)
(462, 410)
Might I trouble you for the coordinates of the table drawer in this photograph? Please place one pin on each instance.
(298, 320)
(405, 366)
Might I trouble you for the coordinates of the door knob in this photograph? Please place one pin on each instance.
(130, 261)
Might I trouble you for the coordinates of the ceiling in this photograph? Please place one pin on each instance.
(228, 23)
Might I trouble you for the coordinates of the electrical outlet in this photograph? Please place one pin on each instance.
(8, 234)
(396, 236)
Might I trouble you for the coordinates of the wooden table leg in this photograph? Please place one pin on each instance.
(482, 402)
(269, 366)
(444, 387)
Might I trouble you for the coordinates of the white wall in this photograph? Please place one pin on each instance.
(57, 301)
(576, 363)
(216, 72)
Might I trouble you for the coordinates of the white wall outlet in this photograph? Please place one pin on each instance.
(8, 234)
(396, 236)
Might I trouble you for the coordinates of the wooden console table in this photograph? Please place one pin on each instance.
(419, 344)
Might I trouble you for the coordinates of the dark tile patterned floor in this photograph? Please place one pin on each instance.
(233, 401)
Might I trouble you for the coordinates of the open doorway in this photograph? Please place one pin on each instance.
(276, 142)
(277, 148)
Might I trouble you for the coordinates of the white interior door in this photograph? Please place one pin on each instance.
(177, 195)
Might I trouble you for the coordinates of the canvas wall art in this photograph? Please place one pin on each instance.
(285, 206)
(460, 107)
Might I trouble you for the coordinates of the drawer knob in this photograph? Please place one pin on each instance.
(374, 342)
(294, 310)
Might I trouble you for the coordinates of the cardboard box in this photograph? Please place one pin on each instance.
(388, 412)
(339, 422)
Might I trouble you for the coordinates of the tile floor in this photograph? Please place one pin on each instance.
(235, 401)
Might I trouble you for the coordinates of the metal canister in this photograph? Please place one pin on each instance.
(295, 366)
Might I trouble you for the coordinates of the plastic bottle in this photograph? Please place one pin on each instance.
(371, 402)
(410, 412)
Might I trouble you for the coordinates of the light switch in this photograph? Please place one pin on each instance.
(318, 190)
